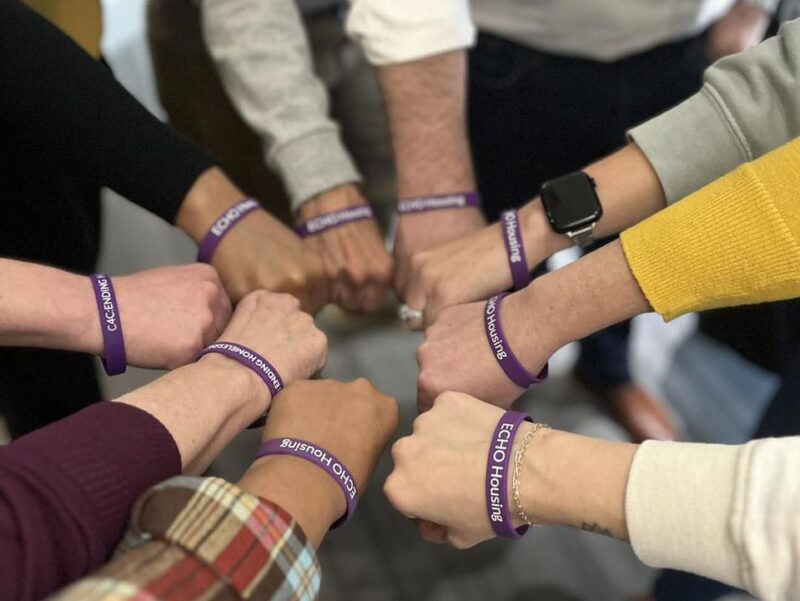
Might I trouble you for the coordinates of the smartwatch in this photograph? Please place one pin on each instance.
(572, 207)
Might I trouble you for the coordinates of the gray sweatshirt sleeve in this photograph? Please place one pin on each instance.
(748, 106)
(263, 59)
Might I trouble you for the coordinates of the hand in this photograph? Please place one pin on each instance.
(353, 421)
(274, 326)
(259, 253)
(168, 314)
(474, 267)
(355, 261)
(456, 355)
(743, 27)
(262, 253)
(418, 232)
(440, 470)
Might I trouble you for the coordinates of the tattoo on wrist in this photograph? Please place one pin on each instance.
(597, 529)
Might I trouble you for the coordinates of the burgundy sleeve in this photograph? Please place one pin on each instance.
(66, 492)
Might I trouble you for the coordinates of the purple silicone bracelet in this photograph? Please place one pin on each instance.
(114, 360)
(497, 475)
(249, 358)
(420, 204)
(502, 351)
(222, 226)
(512, 236)
(327, 221)
(321, 458)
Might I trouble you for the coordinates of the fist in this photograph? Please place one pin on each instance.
(169, 314)
(261, 253)
(356, 264)
(456, 355)
(274, 326)
(440, 470)
(353, 421)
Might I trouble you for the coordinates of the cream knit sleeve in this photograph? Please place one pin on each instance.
(731, 513)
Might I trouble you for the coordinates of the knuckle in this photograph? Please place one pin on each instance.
(445, 399)
(395, 493)
(457, 542)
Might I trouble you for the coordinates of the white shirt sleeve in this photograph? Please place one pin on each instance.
(399, 31)
(726, 512)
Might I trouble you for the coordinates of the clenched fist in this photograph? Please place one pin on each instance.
(355, 261)
(168, 314)
(353, 421)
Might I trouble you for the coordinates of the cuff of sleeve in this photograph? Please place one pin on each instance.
(312, 165)
(684, 160)
(726, 245)
(111, 453)
(400, 32)
(678, 504)
(249, 543)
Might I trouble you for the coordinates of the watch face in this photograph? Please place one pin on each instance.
(571, 202)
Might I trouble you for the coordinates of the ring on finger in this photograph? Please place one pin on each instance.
(407, 314)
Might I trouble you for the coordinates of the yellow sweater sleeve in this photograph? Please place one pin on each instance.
(734, 242)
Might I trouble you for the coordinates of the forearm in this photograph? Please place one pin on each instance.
(47, 308)
(629, 192)
(747, 107)
(209, 197)
(426, 107)
(576, 481)
(592, 293)
(264, 61)
(71, 110)
(203, 406)
(302, 489)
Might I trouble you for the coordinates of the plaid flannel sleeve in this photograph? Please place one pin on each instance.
(204, 538)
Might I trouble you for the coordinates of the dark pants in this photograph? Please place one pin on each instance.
(47, 216)
(534, 116)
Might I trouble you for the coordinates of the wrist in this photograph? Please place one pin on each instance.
(210, 196)
(81, 330)
(539, 239)
(341, 197)
(248, 390)
(299, 487)
(532, 338)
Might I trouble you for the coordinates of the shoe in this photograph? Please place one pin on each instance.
(642, 415)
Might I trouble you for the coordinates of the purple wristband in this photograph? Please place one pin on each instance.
(114, 360)
(321, 458)
(512, 236)
(326, 221)
(502, 351)
(421, 204)
(249, 358)
(497, 475)
(222, 226)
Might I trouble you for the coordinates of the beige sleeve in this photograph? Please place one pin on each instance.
(726, 512)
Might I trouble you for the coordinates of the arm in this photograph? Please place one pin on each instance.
(735, 242)
(262, 55)
(694, 507)
(49, 308)
(293, 500)
(746, 108)
(426, 107)
(72, 109)
(80, 476)
(263, 59)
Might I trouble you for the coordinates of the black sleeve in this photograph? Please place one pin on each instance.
(70, 109)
